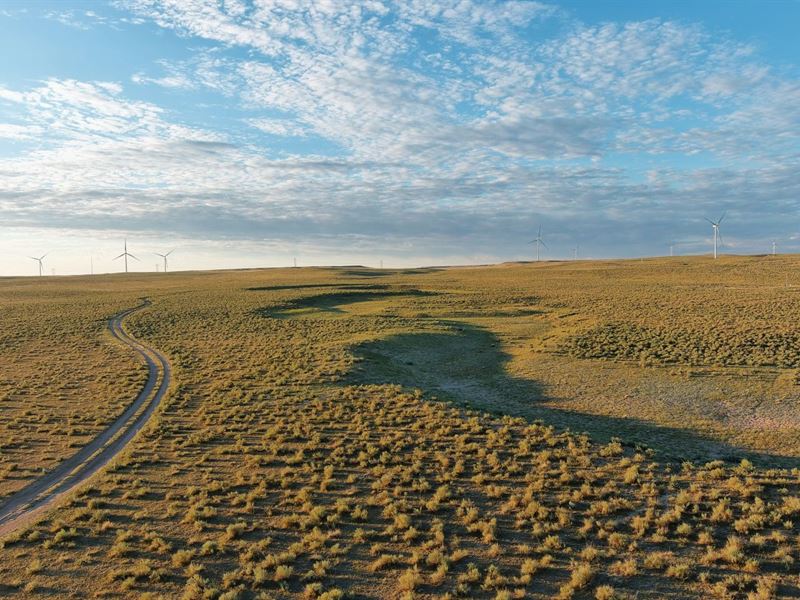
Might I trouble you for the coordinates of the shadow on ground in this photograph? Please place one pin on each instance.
(366, 272)
(331, 302)
(467, 367)
(306, 286)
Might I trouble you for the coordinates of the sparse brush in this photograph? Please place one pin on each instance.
(269, 428)
(409, 580)
(181, 558)
(624, 568)
(605, 592)
(580, 577)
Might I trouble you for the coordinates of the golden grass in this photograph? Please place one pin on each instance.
(302, 452)
(62, 377)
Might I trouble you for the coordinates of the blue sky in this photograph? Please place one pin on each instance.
(249, 133)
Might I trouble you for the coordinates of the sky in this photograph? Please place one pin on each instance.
(253, 133)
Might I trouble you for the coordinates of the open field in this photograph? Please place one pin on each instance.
(53, 485)
(590, 429)
(62, 378)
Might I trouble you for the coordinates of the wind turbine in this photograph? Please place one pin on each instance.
(126, 254)
(717, 235)
(539, 241)
(164, 256)
(774, 247)
(39, 260)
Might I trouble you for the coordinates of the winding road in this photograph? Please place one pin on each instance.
(41, 493)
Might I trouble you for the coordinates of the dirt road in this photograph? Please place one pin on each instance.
(40, 494)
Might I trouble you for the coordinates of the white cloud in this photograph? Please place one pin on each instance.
(81, 20)
(477, 138)
(11, 131)
(10, 95)
(281, 127)
(467, 21)
(169, 81)
(78, 111)
(653, 58)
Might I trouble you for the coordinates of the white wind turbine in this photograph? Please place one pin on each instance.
(39, 260)
(717, 234)
(539, 241)
(164, 256)
(674, 245)
(126, 254)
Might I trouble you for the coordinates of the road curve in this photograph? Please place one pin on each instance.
(38, 495)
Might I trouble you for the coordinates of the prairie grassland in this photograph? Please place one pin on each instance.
(303, 452)
(709, 352)
(62, 377)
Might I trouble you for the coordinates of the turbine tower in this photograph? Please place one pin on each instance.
(717, 235)
(39, 260)
(774, 247)
(164, 256)
(126, 254)
(539, 241)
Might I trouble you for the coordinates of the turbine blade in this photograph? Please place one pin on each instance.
(133, 257)
(722, 217)
(116, 257)
(709, 220)
(170, 252)
(543, 244)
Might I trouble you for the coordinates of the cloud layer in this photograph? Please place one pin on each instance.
(460, 126)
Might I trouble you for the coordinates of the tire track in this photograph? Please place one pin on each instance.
(38, 495)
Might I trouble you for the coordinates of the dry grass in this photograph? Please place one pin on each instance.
(62, 377)
(288, 462)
